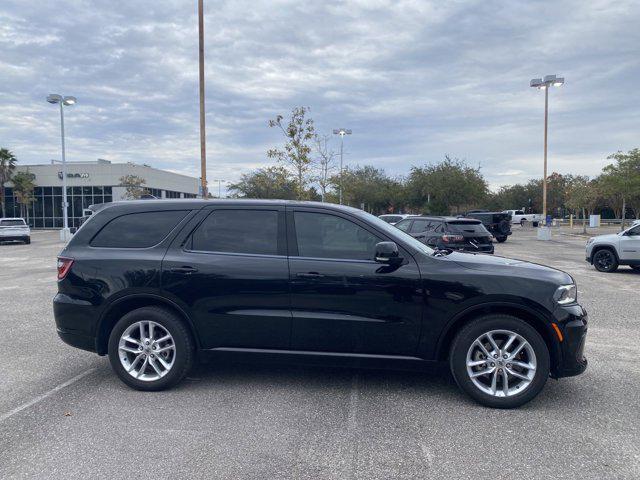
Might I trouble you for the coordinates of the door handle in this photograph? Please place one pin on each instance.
(185, 270)
(309, 275)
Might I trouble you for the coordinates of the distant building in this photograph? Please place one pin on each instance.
(90, 183)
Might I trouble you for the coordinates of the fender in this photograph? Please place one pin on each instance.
(543, 317)
(155, 298)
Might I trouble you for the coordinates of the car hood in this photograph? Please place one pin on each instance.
(503, 265)
(611, 237)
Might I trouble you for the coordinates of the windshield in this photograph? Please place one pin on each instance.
(466, 227)
(18, 222)
(394, 232)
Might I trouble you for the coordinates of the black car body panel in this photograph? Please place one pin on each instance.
(289, 304)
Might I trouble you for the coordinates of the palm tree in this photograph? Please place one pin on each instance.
(23, 185)
(7, 167)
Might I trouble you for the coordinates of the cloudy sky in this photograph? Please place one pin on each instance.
(414, 80)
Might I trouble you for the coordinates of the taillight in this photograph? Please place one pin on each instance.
(64, 265)
(452, 238)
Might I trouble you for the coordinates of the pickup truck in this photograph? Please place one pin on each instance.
(518, 216)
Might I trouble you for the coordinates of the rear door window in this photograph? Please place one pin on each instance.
(238, 231)
(403, 225)
(138, 230)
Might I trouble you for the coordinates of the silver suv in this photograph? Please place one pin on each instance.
(14, 229)
(607, 252)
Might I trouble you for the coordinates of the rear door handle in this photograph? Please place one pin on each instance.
(185, 270)
(309, 275)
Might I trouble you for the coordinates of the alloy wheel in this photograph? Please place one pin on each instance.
(501, 363)
(604, 259)
(146, 350)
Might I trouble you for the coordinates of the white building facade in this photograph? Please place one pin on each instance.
(90, 183)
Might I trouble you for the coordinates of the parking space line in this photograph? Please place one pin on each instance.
(39, 398)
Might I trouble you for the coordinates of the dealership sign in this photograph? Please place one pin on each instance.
(73, 175)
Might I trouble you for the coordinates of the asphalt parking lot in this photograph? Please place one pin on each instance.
(63, 414)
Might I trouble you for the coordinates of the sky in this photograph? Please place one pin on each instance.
(414, 80)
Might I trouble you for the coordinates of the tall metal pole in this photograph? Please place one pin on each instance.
(219, 188)
(203, 148)
(544, 179)
(341, 147)
(65, 217)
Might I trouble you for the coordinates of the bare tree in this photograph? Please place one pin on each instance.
(326, 162)
(298, 131)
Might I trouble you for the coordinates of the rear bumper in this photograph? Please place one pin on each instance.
(10, 238)
(574, 332)
(75, 321)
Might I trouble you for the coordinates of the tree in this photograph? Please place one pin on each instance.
(23, 186)
(446, 187)
(272, 182)
(367, 187)
(581, 195)
(299, 131)
(621, 182)
(134, 186)
(325, 163)
(7, 167)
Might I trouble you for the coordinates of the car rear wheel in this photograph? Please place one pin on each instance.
(501, 239)
(500, 361)
(27, 241)
(605, 261)
(636, 267)
(150, 349)
(523, 222)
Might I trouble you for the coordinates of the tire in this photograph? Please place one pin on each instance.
(501, 239)
(503, 227)
(180, 358)
(605, 261)
(636, 267)
(535, 224)
(522, 222)
(502, 327)
(27, 241)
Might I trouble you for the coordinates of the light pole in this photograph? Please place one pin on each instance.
(203, 142)
(342, 132)
(219, 186)
(63, 101)
(544, 84)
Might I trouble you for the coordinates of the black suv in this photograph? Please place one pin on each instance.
(498, 223)
(449, 233)
(156, 284)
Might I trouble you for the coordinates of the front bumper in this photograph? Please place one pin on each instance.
(573, 326)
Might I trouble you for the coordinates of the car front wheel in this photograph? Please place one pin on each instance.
(500, 361)
(605, 261)
(150, 349)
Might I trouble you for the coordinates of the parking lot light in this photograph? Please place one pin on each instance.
(342, 132)
(544, 84)
(54, 98)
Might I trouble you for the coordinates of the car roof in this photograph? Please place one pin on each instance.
(446, 219)
(12, 218)
(196, 203)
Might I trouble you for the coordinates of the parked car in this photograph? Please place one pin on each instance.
(498, 223)
(14, 229)
(519, 217)
(393, 218)
(155, 284)
(607, 252)
(461, 234)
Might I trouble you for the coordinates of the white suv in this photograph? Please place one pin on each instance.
(14, 229)
(606, 252)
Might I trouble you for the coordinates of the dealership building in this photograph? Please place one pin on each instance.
(90, 183)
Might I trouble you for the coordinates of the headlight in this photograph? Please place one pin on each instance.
(566, 294)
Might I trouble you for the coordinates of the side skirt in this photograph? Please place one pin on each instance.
(305, 357)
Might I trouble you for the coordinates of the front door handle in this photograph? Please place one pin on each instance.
(309, 275)
(184, 270)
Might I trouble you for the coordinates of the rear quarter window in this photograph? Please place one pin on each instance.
(138, 230)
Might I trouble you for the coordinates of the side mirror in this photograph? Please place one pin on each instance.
(388, 253)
